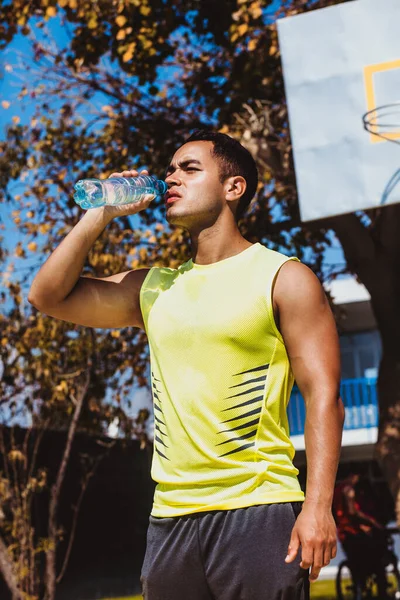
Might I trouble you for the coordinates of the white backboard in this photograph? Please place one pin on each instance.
(339, 63)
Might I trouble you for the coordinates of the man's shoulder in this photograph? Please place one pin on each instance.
(297, 283)
(276, 257)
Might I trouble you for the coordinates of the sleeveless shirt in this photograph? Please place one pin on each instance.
(221, 382)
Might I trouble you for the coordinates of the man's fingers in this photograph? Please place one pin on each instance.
(327, 556)
(307, 558)
(334, 550)
(131, 173)
(293, 548)
(317, 564)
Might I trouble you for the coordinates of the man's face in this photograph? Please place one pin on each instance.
(195, 196)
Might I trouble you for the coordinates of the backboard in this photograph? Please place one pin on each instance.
(341, 68)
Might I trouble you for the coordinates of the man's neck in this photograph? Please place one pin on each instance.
(212, 246)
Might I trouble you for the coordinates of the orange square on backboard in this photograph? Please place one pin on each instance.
(369, 72)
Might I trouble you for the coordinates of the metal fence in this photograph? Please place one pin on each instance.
(359, 398)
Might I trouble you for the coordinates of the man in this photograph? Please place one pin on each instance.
(361, 534)
(227, 331)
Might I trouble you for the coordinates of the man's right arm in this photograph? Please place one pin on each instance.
(60, 291)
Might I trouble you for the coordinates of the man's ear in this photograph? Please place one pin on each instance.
(235, 187)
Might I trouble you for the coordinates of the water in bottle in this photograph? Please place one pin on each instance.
(91, 193)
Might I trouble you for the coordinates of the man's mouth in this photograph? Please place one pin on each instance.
(171, 197)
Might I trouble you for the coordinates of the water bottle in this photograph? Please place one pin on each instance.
(91, 193)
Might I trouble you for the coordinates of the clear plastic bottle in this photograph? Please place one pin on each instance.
(91, 193)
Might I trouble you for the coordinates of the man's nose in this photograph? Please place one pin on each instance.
(172, 179)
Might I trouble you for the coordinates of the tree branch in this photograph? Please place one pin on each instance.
(56, 489)
(76, 509)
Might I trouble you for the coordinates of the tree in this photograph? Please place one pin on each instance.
(133, 81)
(62, 389)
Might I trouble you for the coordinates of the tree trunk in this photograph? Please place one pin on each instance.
(7, 570)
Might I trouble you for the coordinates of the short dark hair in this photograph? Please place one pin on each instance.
(233, 159)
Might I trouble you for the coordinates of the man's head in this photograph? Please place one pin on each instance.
(210, 172)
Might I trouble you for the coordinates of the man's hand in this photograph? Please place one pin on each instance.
(122, 210)
(315, 531)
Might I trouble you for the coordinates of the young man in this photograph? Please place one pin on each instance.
(227, 331)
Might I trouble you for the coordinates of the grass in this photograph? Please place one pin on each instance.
(320, 590)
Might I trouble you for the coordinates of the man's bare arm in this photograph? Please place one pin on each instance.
(309, 332)
(60, 291)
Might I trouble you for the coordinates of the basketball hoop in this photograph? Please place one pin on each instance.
(384, 122)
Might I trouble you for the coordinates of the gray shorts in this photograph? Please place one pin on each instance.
(224, 555)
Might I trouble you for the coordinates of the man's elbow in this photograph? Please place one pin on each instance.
(37, 300)
(31, 299)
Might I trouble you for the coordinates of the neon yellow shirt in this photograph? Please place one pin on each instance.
(221, 383)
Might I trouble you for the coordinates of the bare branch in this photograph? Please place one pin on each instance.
(76, 510)
(56, 490)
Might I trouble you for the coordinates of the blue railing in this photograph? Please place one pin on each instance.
(360, 400)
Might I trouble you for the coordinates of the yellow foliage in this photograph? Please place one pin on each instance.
(255, 10)
(115, 333)
(242, 29)
(19, 251)
(121, 35)
(44, 228)
(51, 11)
(30, 214)
(252, 45)
(143, 254)
(4, 342)
(121, 20)
(93, 23)
(32, 246)
(128, 55)
(62, 386)
(16, 120)
(224, 129)
(16, 455)
(145, 10)
(5, 104)
(273, 49)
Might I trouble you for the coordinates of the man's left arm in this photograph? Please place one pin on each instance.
(308, 329)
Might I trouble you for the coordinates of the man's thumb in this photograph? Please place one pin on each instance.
(293, 548)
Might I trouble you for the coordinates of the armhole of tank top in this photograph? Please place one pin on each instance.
(141, 295)
(270, 301)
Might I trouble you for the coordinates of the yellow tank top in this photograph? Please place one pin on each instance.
(221, 382)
